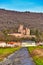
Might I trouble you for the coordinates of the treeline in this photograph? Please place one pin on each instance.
(38, 34)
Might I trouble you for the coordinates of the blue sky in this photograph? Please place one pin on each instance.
(22, 5)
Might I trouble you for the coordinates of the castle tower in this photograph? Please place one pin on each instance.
(27, 31)
(20, 30)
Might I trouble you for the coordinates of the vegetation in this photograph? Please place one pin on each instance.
(5, 32)
(38, 34)
(38, 59)
(4, 52)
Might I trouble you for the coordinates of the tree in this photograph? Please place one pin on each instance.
(5, 32)
(32, 32)
(38, 35)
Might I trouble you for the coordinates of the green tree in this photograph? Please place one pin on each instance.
(38, 35)
(5, 32)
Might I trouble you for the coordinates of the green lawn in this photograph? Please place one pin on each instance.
(4, 52)
(37, 60)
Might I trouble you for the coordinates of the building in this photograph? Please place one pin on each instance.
(14, 44)
(27, 31)
(22, 32)
(10, 44)
(28, 43)
(39, 43)
(20, 29)
(16, 34)
(2, 44)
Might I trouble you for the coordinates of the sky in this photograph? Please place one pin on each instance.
(22, 5)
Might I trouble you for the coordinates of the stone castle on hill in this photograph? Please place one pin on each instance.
(22, 32)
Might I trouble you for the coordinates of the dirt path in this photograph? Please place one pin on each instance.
(20, 57)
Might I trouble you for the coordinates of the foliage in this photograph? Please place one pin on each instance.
(38, 34)
(5, 32)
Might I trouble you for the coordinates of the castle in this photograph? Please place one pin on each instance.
(22, 30)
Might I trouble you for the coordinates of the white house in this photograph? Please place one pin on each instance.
(28, 43)
(2, 44)
(9, 45)
(39, 43)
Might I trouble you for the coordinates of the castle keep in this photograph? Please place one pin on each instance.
(25, 31)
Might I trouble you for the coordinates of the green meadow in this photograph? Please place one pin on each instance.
(4, 52)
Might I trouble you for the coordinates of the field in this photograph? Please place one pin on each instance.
(37, 54)
(4, 52)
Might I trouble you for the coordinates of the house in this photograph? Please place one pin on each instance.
(2, 44)
(13, 44)
(16, 34)
(39, 43)
(10, 44)
(28, 43)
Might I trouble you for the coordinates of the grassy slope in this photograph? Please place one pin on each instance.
(4, 52)
(37, 60)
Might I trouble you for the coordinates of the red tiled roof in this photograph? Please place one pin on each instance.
(12, 42)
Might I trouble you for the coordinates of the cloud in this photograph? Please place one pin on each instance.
(36, 9)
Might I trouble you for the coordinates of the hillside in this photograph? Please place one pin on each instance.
(12, 19)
